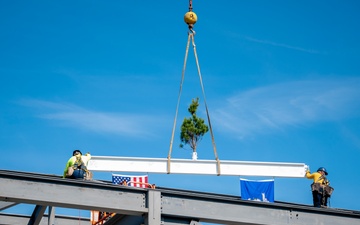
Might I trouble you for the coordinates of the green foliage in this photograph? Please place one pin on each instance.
(193, 128)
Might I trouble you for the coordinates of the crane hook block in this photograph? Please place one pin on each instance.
(190, 18)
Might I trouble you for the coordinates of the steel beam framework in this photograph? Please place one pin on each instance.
(135, 206)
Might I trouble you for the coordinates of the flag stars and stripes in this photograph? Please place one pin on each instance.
(135, 181)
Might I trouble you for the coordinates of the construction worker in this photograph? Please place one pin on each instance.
(76, 167)
(320, 187)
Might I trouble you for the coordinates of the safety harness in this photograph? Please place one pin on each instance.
(79, 164)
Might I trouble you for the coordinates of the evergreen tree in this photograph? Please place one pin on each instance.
(193, 128)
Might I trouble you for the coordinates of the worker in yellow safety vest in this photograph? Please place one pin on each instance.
(320, 188)
(76, 167)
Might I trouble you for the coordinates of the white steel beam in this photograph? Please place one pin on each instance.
(202, 167)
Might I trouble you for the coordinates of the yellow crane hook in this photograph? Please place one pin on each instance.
(190, 17)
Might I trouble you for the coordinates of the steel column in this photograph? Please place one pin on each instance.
(154, 205)
(51, 215)
(37, 215)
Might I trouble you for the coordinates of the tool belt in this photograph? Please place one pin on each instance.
(328, 190)
(88, 175)
(322, 189)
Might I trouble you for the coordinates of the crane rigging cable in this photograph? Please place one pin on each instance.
(191, 18)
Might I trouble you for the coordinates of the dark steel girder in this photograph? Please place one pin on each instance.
(78, 194)
(10, 219)
(5, 205)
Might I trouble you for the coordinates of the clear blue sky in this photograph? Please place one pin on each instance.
(282, 83)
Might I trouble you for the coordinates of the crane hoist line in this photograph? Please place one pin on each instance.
(200, 167)
(190, 19)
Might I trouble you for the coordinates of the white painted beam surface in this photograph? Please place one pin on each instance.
(201, 167)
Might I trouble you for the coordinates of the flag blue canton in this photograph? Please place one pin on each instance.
(120, 179)
(135, 181)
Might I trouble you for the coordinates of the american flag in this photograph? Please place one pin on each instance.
(119, 179)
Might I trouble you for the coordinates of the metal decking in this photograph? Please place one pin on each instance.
(135, 206)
